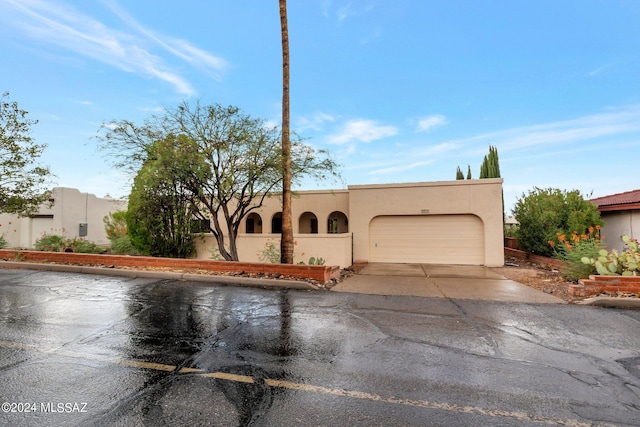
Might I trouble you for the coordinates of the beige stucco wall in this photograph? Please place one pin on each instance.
(618, 224)
(357, 207)
(482, 198)
(69, 209)
(335, 249)
(321, 203)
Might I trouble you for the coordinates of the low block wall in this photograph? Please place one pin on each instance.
(320, 273)
(611, 284)
(538, 259)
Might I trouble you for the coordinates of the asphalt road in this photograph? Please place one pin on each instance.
(94, 350)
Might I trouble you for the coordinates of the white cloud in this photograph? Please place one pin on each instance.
(442, 148)
(270, 124)
(82, 102)
(599, 70)
(428, 122)
(180, 48)
(371, 36)
(400, 168)
(362, 130)
(65, 27)
(344, 12)
(156, 109)
(313, 122)
(555, 135)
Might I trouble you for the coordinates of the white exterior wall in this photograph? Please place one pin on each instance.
(70, 208)
(618, 224)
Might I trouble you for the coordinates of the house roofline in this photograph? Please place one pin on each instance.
(619, 207)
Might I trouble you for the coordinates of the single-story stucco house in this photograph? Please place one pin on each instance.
(71, 214)
(445, 222)
(621, 213)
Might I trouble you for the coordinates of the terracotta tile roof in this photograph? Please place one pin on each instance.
(629, 197)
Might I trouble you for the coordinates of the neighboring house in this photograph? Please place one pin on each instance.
(621, 213)
(71, 214)
(447, 222)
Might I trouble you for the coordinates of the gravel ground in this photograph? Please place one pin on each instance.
(544, 278)
(537, 276)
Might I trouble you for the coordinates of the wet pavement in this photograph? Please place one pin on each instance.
(96, 350)
(441, 281)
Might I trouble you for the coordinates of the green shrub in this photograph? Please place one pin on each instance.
(122, 246)
(543, 213)
(51, 243)
(57, 243)
(3, 242)
(83, 246)
(115, 224)
(511, 230)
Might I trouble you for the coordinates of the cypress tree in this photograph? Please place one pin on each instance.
(490, 167)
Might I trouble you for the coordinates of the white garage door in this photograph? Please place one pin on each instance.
(429, 239)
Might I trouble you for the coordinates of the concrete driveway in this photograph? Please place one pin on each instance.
(441, 281)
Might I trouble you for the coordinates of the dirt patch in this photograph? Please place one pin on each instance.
(541, 277)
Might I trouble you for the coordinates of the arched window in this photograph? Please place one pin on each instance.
(254, 224)
(308, 223)
(276, 223)
(337, 223)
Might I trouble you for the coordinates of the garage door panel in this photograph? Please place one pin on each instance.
(437, 239)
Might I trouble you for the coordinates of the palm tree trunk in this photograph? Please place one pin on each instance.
(286, 241)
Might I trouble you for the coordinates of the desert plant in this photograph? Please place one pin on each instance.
(270, 253)
(316, 261)
(614, 263)
(573, 249)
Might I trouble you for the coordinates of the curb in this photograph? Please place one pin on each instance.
(204, 278)
(611, 302)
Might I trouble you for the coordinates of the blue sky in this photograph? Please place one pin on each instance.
(398, 91)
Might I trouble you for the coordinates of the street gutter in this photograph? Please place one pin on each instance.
(263, 283)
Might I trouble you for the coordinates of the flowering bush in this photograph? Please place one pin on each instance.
(626, 263)
(573, 249)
